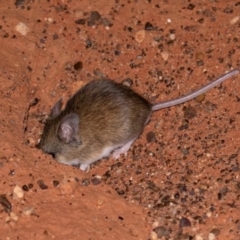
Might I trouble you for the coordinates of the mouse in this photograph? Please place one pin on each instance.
(102, 118)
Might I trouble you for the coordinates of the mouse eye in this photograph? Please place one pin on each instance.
(52, 154)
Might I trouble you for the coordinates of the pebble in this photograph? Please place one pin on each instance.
(209, 214)
(165, 55)
(155, 224)
(13, 216)
(184, 222)
(55, 183)
(198, 237)
(28, 211)
(96, 180)
(68, 186)
(85, 181)
(94, 17)
(189, 112)
(148, 26)
(78, 66)
(31, 142)
(127, 82)
(211, 236)
(151, 137)
(100, 202)
(215, 231)
(42, 185)
(99, 73)
(153, 236)
(140, 36)
(172, 36)
(18, 192)
(235, 20)
(22, 28)
(161, 231)
(200, 98)
(106, 22)
(19, 3)
(25, 188)
(183, 236)
(7, 206)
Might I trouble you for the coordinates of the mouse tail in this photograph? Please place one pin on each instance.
(196, 93)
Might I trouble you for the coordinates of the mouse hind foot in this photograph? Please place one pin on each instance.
(122, 150)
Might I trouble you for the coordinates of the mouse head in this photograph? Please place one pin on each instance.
(61, 131)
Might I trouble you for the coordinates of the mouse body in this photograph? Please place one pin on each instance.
(101, 118)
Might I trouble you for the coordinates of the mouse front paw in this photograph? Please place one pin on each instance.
(84, 167)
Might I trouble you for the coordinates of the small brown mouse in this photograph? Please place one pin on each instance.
(101, 118)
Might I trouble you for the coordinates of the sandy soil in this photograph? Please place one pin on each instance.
(180, 179)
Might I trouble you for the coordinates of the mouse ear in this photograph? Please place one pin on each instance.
(68, 129)
(56, 108)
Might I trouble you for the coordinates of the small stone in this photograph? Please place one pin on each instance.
(211, 236)
(99, 73)
(155, 224)
(55, 183)
(18, 192)
(215, 231)
(198, 237)
(100, 202)
(22, 28)
(55, 36)
(127, 82)
(19, 3)
(79, 13)
(7, 219)
(151, 137)
(28, 211)
(140, 36)
(189, 112)
(25, 188)
(94, 17)
(161, 231)
(183, 236)
(88, 43)
(68, 186)
(80, 21)
(200, 98)
(191, 6)
(12, 172)
(184, 222)
(96, 180)
(31, 142)
(85, 182)
(234, 20)
(106, 22)
(7, 206)
(200, 63)
(13, 216)
(165, 55)
(148, 26)
(172, 36)
(153, 236)
(209, 214)
(199, 56)
(78, 66)
(42, 185)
